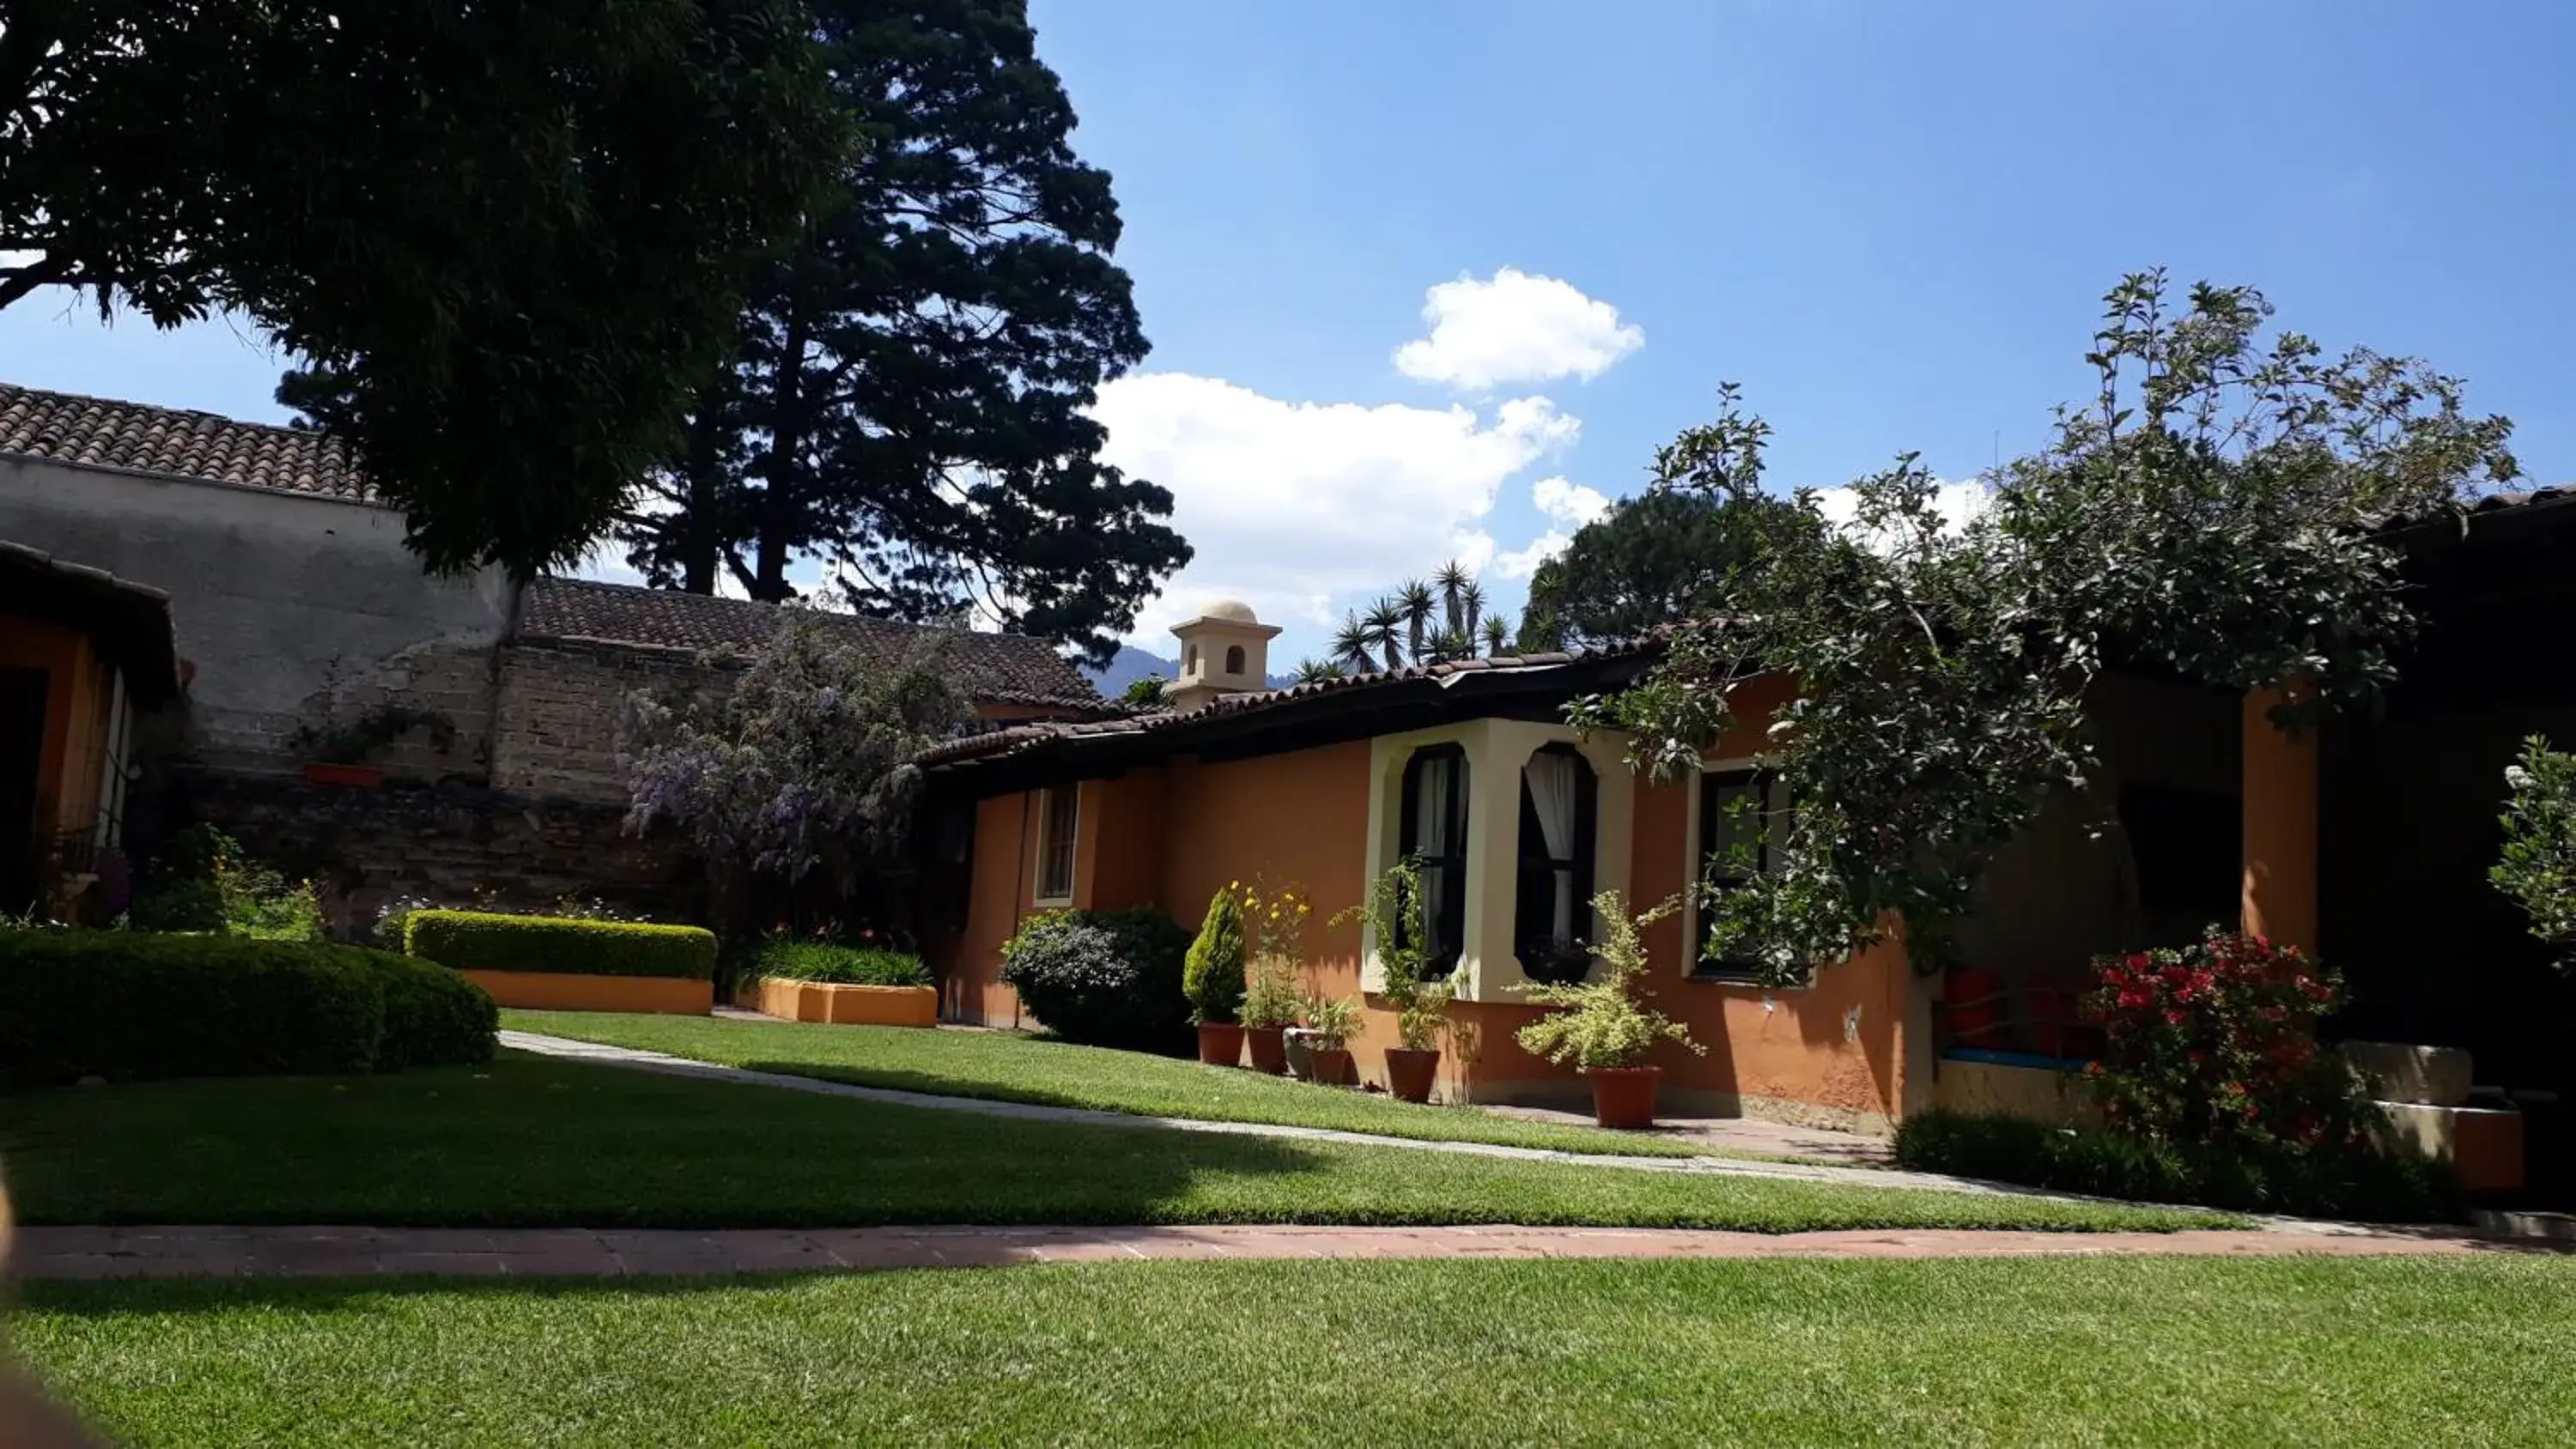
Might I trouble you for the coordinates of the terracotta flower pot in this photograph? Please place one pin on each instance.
(1624, 1096)
(1220, 1043)
(1410, 1073)
(355, 777)
(1332, 1066)
(1269, 1048)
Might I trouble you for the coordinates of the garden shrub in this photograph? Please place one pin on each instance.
(839, 965)
(2216, 1044)
(127, 1005)
(1212, 971)
(488, 941)
(1103, 978)
(208, 883)
(2337, 1181)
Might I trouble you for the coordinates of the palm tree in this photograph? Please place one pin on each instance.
(1454, 582)
(1384, 624)
(1471, 601)
(1311, 670)
(1498, 633)
(1451, 644)
(1351, 644)
(1414, 599)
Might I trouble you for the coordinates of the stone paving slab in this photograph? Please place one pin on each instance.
(57, 1253)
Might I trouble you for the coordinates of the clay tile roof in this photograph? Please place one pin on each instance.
(65, 428)
(1009, 739)
(991, 668)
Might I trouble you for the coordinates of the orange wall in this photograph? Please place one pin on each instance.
(72, 715)
(2280, 827)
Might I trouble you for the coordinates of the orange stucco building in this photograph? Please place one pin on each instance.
(1321, 786)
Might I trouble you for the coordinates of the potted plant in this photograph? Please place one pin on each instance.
(1274, 926)
(339, 752)
(1419, 994)
(1602, 1028)
(1212, 978)
(1330, 1023)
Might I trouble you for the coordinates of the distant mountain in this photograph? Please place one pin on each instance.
(1132, 664)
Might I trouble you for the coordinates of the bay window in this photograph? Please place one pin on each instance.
(1559, 822)
(1433, 835)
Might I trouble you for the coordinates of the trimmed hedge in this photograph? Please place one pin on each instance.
(1103, 978)
(488, 941)
(128, 1005)
(839, 965)
(2351, 1183)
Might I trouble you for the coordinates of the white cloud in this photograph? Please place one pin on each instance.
(1567, 502)
(1522, 562)
(1514, 328)
(1294, 506)
(1957, 503)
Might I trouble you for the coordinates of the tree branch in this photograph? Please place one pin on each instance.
(23, 280)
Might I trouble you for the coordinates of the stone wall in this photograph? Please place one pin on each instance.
(454, 846)
(555, 727)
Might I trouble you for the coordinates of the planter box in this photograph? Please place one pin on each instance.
(849, 1005)
(569, 991)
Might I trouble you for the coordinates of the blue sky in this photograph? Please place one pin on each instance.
(1890, 222)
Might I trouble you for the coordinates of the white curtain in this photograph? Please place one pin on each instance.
(1551, 778)
(1435, 788)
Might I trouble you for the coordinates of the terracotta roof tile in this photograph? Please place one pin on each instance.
(97, 432)
(992, 668)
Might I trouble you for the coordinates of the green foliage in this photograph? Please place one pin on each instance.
(1332, 1020)
(1212, 973)
(1601, 1022)
(1275, 946)
(1419, 623)
(1651, 562)
(2537, 866)
(1146, 693)
(2211, 516)
(806, 763)
(508, 240)
(910, 394)
(1391, 916)
(2346, 1182)
(127, 1005)
(1102, 978)
(358, 740)
(210, 884)
(489, 941)
(845, 965)
(2216, 1045)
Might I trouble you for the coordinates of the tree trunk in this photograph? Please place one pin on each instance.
(789, 424)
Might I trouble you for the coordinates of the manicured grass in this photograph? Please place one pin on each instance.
(1010, 1067)
(2163, 1351)
(537, 1142)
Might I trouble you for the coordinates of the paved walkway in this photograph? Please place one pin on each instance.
(555, 1046)
(319, 1252)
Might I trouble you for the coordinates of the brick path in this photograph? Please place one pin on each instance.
(196, 1252)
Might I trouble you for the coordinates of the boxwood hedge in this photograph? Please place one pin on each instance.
(488, 941)
(126, 1005)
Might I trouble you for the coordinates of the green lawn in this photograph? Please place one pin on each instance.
(537, 1142)
(1011, 1067)
(2060, 1352)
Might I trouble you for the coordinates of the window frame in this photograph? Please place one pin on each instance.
(1583, 864)
(1451, 929)
(1727, 775)
(1234, 659)
(1048, 809)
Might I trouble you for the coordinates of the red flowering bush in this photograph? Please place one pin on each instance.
(2216, 1044)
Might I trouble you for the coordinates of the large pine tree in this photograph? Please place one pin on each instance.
(907, 403)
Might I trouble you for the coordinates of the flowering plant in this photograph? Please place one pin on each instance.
(1274, 930)
(2216, 1043)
